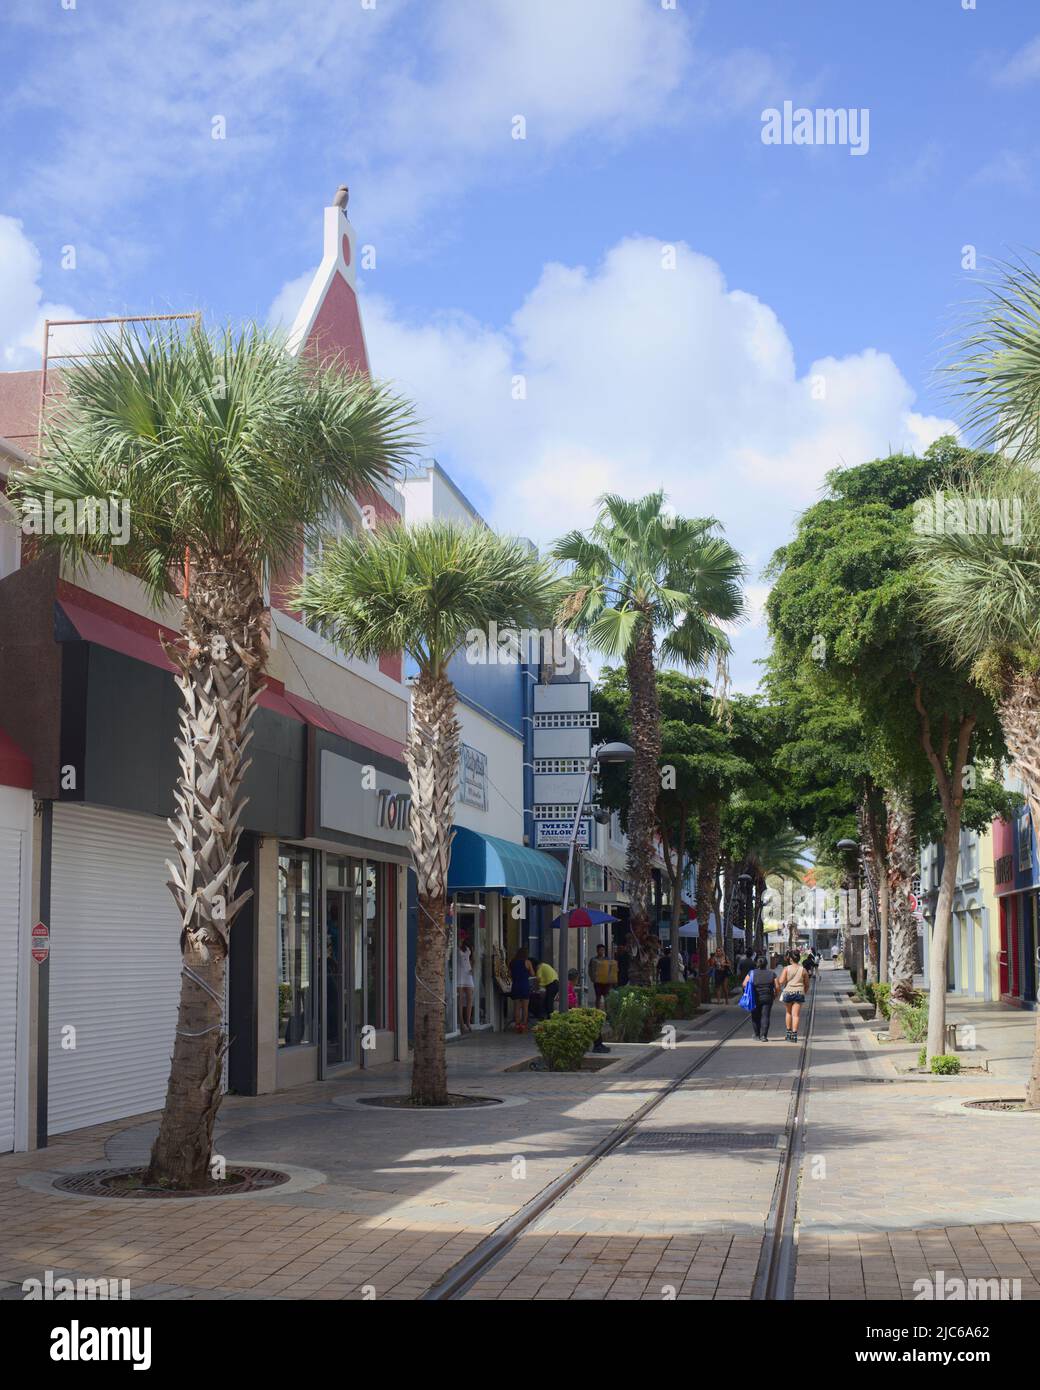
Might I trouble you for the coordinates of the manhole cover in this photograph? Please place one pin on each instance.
(681, 1142)
(126, 1182)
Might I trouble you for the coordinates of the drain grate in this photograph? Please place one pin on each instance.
(681, 1141)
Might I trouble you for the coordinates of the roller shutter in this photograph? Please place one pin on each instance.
(115, 966)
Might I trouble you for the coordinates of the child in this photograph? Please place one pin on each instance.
(572, 992)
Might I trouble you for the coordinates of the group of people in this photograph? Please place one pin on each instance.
(535, 985)
(790, 984)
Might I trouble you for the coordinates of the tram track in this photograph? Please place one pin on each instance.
(775, 1275)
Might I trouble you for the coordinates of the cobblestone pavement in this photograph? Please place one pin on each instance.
(898, 1183)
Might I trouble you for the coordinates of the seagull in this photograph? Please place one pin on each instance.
(340, 200)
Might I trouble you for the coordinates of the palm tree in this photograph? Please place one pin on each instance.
(428, 590)
(981, 575)
(225, 448)
(640, 572)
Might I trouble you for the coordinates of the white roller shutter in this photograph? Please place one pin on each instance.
(10, 914)
(115, 966)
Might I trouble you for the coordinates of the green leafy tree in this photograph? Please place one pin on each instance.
(697, 763)
(846, 596)
(225, 448)
(978, 542)
(429, 591)
(644, 583)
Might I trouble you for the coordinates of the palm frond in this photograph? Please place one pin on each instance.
(222, 445)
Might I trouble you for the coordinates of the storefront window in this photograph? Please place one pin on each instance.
(296, 960)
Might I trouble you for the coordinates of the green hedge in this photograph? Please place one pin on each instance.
(946, 1064)
(635, 1012)
(563, 1039)
(686, 994)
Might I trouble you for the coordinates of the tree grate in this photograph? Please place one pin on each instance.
(681, 1141)
(126, 1183)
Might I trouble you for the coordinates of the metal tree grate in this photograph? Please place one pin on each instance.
(118, 1183)
(680, 1141)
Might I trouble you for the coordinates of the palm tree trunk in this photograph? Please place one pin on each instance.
(1019, 712)
(220, 667)
(707, 863)
(902, 861)
(432, 755)
(645, 719)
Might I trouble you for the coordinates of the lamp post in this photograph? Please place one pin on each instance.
(605, 753)
(853, 847)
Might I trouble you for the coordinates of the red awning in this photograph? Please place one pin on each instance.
(142, 642)
(334, 723)
(106, 624)
(15, 766)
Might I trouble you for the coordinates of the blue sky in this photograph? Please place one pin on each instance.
(698, 368)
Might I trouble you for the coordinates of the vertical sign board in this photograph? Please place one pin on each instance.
(472, 777)
(41, 942)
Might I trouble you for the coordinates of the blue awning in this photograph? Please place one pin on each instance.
(485, 861)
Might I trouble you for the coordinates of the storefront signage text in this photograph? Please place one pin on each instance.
(395, 809)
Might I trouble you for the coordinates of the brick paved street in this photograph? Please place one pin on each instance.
(896, 1186)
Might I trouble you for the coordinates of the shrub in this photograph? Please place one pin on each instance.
(946, 1064)
(880, 995)
(630, 1013)
(665, 1006)
(563, 1039)
(914, 1019)
(686, 993)
(593, 1021)
(922, 1057)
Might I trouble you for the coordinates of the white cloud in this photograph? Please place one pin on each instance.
(22, 306)
(638, 377)
(1022, 67)
(411, 131)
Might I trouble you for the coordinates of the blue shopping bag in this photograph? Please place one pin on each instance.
(747, 999)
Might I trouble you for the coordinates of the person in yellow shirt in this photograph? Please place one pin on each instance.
(549, 981)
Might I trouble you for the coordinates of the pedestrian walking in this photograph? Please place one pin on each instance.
(793, 983)
(520, 974)
(572, 989)
(721, 982)
(764, 985)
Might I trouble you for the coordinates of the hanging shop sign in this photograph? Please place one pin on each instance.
(472, 777)
(556, 834)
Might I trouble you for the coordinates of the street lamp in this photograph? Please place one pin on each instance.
(851, 847)
(604, 754)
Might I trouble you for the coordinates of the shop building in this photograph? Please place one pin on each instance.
(1017, 889)
(503, 889)
(973, 958)
(88, 710)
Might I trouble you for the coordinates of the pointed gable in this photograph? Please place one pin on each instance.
(328, 325)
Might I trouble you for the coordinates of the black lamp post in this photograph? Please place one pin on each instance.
(605, 753)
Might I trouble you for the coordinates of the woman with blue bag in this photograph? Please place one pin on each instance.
(759, 992)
